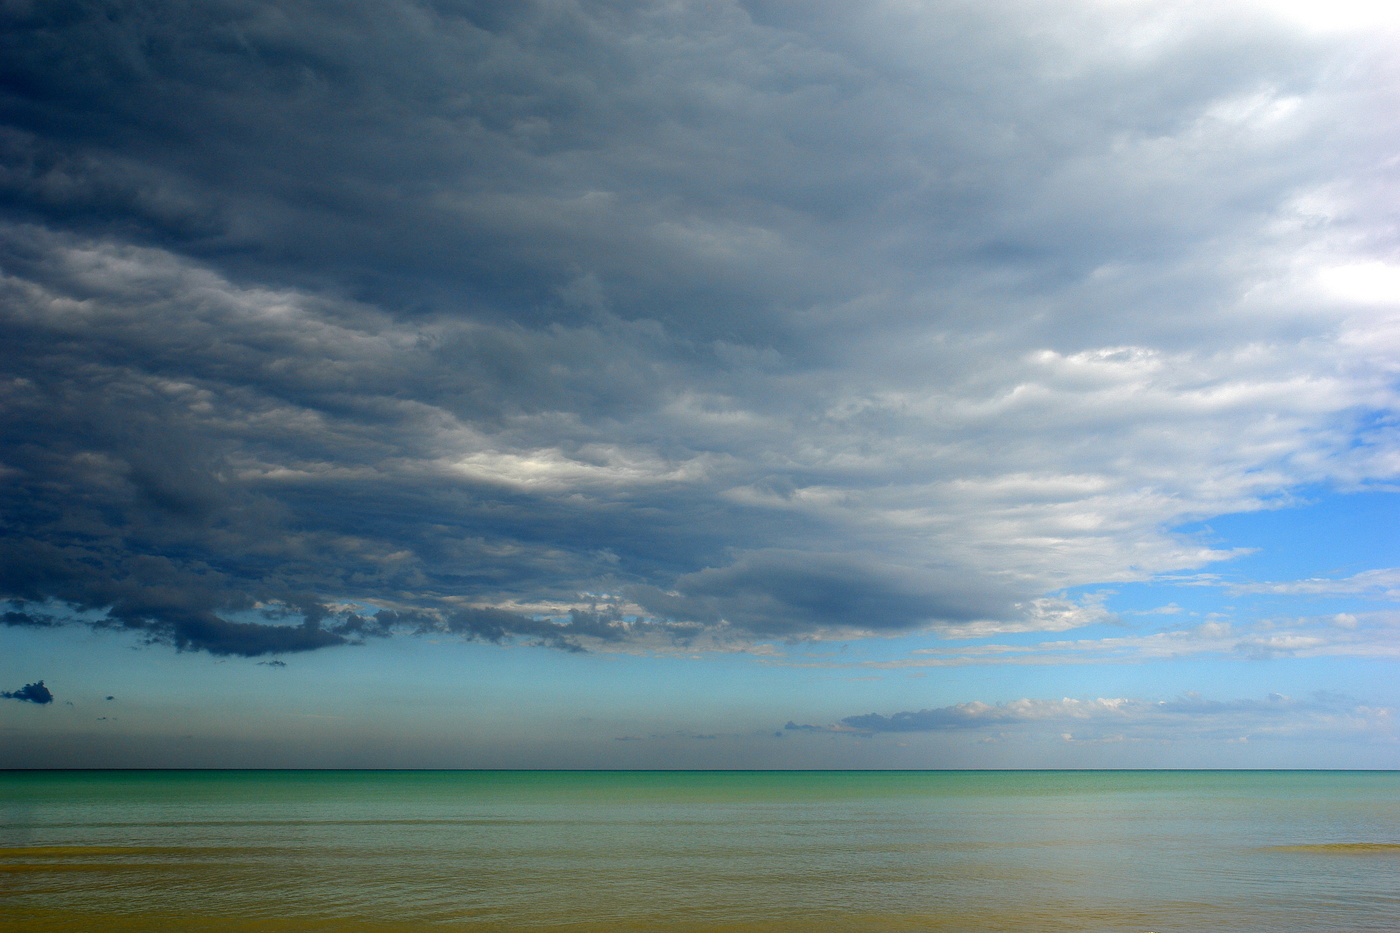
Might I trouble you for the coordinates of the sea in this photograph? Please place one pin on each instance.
(722, 851)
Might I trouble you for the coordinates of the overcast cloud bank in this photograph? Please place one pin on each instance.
(673, 324)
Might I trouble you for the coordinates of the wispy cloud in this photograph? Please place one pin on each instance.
(1189, 716)
(1383, 583)
(1363, 635)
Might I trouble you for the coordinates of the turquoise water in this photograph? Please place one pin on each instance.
(692, 851)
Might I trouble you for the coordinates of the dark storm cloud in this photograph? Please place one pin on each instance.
(30, 693)
(27, 620)
(679, 162)
(406, 146)
(220, 456)
(784, 593)
(591, 324)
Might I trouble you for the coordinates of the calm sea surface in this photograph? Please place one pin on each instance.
(699, 851)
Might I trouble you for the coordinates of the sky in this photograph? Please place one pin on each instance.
(712, 384)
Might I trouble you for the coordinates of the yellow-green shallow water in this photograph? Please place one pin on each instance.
(683, 852)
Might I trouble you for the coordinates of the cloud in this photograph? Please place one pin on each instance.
(1382, 583)
(1121, 718)
(30, 693)
(667, 736)
(785, 593)
(16, 619)
(673, 326)
(1355, 635)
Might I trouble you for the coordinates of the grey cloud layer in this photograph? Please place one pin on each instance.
(657, 323)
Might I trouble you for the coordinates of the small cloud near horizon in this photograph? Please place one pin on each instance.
(30, 693)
